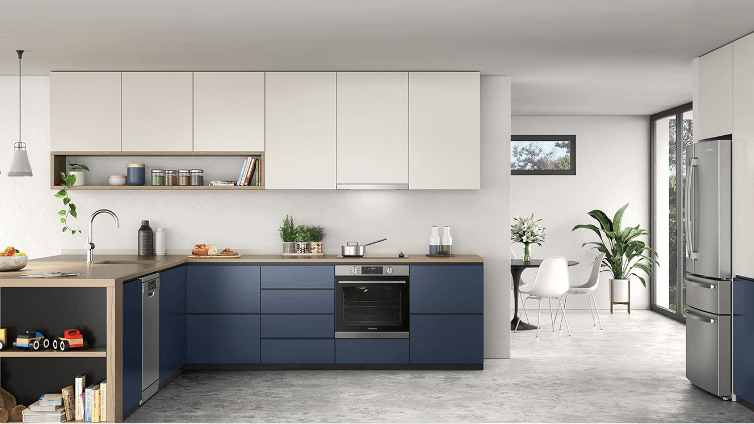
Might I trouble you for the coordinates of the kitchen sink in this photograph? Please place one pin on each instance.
(131, 262)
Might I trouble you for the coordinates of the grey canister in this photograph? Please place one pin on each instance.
(146, 239)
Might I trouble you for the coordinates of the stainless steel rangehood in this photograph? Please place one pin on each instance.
(359, 186)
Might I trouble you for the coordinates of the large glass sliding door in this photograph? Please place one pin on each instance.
(671, 131)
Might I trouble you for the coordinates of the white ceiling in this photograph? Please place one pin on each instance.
(565, 57)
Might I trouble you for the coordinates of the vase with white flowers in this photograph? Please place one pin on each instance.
(527, 231)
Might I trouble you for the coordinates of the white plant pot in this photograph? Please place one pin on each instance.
(80, 178)
(620, 289)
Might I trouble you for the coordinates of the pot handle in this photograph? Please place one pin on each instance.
(375, 242)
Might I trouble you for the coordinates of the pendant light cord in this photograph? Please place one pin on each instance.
(20, 53)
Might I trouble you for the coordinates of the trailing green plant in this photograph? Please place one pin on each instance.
(69, 180)
(302, 233)
(316, 234)
(623, 253)
(287, 231)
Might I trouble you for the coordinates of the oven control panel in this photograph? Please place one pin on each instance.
(372, 270)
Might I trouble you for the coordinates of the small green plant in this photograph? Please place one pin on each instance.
(287, 231)
(302, 233)
(316, 234)
(69, 180)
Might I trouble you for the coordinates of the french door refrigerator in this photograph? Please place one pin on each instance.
(707, 220)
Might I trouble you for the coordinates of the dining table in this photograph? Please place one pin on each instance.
(517, 268)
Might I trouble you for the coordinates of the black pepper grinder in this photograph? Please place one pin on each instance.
(146, 239)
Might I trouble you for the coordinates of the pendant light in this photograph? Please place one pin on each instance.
(19, 165)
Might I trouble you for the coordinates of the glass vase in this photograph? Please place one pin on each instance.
(527, 252)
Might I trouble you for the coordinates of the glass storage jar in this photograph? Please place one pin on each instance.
(171, 177)
(158, 177)
(197, 177)
(184, 177)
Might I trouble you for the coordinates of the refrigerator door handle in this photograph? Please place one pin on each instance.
(690, 252)
(697, 317)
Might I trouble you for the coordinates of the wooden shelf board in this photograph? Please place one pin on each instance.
(157, 153)
(13, 352)
(127, 187)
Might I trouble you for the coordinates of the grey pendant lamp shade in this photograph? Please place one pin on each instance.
(19, 165)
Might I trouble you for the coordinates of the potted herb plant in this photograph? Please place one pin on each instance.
(623, 252)
(316, 234)
(527, 231)
(287, 233)
(301, 235)
(69, 180)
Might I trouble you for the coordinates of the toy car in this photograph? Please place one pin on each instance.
(3, 338)
(70, 339)
(33, 340)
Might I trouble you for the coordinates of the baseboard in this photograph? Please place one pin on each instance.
(323, 367)
(745, 403)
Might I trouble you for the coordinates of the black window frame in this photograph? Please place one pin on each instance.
(570, 138)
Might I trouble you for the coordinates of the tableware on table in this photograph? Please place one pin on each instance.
(13, 263)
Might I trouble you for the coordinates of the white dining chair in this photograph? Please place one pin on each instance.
(550, 283)
(522, 285)
(587, 289)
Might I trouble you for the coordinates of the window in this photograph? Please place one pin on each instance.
(543, 155)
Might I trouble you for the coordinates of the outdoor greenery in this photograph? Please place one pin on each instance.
(687, 137)
(623, 253)
(69, 208)
(532, 155)
(287, 231)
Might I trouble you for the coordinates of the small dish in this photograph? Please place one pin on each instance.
(13, 263)
(117, 180)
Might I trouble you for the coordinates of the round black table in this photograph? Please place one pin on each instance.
(517, 268)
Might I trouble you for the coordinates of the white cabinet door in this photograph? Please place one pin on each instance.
(85, 111)
(715, 94)
(372, 127)
(228, 111)
(743, 155)
(444, 132)
(157, 111)
(300, 126)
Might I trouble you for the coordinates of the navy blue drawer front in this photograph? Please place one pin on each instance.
(298, 302)
(298, 326)
(372, 351)
(229, 289)
(447, 289)
(298, 277)
(298, 351)
(743, 342)
(223, 339)
(447, 339)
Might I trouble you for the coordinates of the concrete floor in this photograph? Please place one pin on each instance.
(632, 371)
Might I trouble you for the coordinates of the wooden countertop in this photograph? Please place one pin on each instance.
(112, 274)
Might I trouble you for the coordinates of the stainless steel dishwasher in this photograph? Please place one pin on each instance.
(150, 336)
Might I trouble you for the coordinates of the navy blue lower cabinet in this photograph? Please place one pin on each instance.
(298, 302)
(447, 339)
(132, 359)
(229, 289)
(298, 351)
(167, 326)
(223, 339)
(298, 326)
(743, 339)
(298, 277)
(371, 351)
(447, 289)
(179, 336)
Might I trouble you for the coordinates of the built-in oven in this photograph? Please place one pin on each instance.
(371, 301)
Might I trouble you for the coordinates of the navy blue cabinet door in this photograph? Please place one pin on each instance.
(228, 289)
(743, 338)
(179, 335)
(298, 326)
(298, 302)
(298, 277)
(131, 345)
(371, 351)
(447, 289)
(223, 339)
(447, 339)
(167, 325)
(298, 351)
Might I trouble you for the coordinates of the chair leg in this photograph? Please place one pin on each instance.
(594, 323)
(565, 303)
(523, 306)
(596, 309)
(519, 317)
(552, 320)
(566, 320)
(538, 312)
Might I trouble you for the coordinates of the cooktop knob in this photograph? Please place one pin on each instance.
(389, 270)
(352, 270)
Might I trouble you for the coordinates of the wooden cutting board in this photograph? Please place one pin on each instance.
(214, 256)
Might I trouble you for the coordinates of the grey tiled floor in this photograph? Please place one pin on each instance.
(632, 371)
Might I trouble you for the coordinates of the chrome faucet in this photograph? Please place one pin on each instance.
(90, 251)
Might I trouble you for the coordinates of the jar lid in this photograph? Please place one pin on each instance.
(183, 170)
(170, 171)
(197, 170)
(135, 165)
(158, 170)
(116, 176)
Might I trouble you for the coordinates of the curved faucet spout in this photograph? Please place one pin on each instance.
(90, 247)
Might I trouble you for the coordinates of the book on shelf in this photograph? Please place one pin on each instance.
(80, 385)
(250, 175)
(90, 405)
(103, 401)
(245, 177)
(51, 399)
(222, 183)
(30, 416)
(36, 407)
(256, 174)
(96, 403)
(243, 169)
(68, 403)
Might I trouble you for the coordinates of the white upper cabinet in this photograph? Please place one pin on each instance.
(444, 133)
(743, 87)
(157, 111)
(714, 102)
(300, 126)
(228, 111)
(372, 127)
(85, 111)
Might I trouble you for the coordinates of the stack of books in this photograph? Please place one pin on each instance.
(89, 404)
(249, 175)
(48, 409)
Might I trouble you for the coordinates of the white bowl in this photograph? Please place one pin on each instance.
(117, 180)
(13, 263)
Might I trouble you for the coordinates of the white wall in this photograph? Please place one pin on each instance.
(249, 220)
(612, 169)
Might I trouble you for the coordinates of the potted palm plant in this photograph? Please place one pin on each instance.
(624, 254)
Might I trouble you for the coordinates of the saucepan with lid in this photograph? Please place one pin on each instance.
(355, 250)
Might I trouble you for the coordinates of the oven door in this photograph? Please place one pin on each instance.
(371, 308)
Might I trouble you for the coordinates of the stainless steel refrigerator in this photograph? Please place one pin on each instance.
(707, 220)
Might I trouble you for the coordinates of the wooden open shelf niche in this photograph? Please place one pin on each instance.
(58, 161)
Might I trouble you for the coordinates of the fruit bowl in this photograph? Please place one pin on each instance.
(13, 263)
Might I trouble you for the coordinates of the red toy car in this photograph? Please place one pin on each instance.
(70, 339)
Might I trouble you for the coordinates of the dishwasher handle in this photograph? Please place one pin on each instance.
(150, 284)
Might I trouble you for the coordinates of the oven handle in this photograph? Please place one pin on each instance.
(371, 282)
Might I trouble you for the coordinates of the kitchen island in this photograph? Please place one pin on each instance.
(254, 312)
